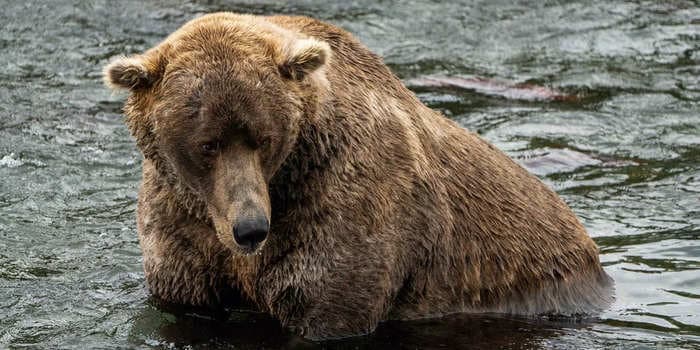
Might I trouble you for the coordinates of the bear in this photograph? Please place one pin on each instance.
(284, 164)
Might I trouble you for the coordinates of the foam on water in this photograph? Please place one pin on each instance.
(9, 161)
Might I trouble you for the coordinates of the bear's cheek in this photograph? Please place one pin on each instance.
(189, 170)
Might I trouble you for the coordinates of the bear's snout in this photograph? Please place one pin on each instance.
(249, 232)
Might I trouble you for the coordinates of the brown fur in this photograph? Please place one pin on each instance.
(379, 207)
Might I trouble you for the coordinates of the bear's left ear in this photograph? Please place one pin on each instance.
(304, 57)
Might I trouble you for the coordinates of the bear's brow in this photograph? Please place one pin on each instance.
(193, 106)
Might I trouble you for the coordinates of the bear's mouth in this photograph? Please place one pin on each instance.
(250, 251)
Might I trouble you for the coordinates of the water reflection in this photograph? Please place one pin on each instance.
(173, 326)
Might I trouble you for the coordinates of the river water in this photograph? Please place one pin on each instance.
(624, 154)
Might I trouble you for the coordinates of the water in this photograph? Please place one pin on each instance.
(625, 156)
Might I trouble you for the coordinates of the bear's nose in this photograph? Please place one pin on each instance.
(249, 232)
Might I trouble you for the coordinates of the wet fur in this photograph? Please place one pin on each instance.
(381, 209)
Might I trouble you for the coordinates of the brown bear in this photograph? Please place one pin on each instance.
(284, 161)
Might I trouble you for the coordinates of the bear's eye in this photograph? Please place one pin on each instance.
(210, 148)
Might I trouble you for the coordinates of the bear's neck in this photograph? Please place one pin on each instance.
(299, 180)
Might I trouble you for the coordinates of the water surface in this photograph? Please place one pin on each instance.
(625, 155)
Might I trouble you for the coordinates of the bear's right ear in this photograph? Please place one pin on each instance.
(128, 73)
(303, 58)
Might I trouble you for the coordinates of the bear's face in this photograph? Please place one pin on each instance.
(219, 117)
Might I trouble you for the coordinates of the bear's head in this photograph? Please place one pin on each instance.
(217, 107)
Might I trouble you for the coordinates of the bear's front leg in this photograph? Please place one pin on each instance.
(331, 319)
(183, 261)
(344, 305)
(179, 271)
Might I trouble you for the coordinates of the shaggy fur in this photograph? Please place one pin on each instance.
(379, 207)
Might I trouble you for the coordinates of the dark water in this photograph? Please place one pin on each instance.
(625, 156)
